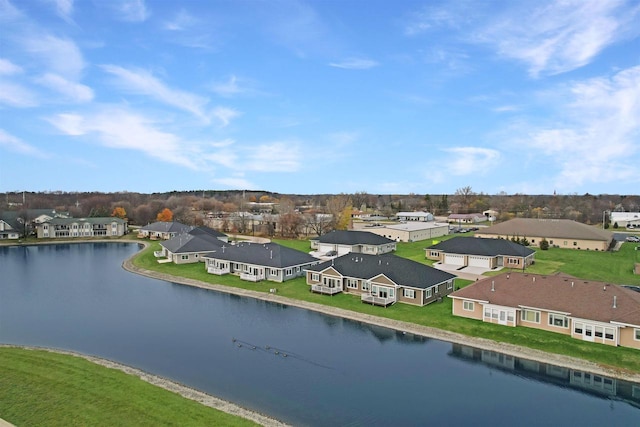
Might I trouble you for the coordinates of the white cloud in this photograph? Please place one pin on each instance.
(8, 12)
(8, 68)
(60, 56)
(472, 160)
(130, 10)
(557, 37)
(273, 157)
(15, 144)
(64, 8)
(72, 91)
(596, 137)
(225, 115)
(16, 95)
(431, 18)
(121, 129)
(355, 64)
(144, 83)
(181, 22)
(235, 183)
(232, 87)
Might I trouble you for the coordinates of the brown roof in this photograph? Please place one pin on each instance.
(561, 293)
(549, 228)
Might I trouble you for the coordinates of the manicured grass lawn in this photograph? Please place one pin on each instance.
(39, 388)
(437, 315)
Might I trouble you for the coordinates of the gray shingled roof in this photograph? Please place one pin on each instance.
(167, 227)
(549, 228)
(483, 247)
(561, 293)
(206, 230)
(265, 254)
(90, 220)
(351, 237)
(402, 271)
(192, 243)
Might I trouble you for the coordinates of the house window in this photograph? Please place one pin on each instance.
(551, 242)
(434, 254)
(289, 271)
(409, 293)
(352, 283)
(315, 277)
(366, 285)
(558, 320)
(512, 260)
(329, 282)
(468, 305)
(637, 335)
(427, 293)
(487, 313)
(184, 256)
(598, 332)
(608, 333)
(450, 284)
(575, 243)
(530, 316)
(578, 328)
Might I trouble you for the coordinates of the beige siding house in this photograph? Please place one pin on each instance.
(585, 310)
(560, 233)
(57, 228)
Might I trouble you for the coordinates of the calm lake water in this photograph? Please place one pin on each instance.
(336, 372)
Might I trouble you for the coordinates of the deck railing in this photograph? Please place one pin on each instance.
(250, 277)
(158, 254)
(325, 289)
(376, 300)
(218, 271)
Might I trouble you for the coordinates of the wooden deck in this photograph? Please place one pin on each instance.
(320, 289)
(374, 300)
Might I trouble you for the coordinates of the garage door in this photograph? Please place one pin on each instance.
(454, 259)
(479, 261)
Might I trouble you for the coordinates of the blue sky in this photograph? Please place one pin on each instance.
(321, 96)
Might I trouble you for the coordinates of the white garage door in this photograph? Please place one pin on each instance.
(479, 261)
(454, 259)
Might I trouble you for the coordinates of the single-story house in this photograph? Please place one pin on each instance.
(190, 246)
(480, 252)
(381, 279)
(55, 228)
(258, 261)
(411, 231)
(561, 233)
(164, 230)
(624, 219)
(414, 216)
(470, 218)
(585, 310)
(342, 242)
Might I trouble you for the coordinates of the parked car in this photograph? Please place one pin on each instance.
(632, 239)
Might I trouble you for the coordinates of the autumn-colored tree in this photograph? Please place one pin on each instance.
(344, 220)
(165, 215)
(119, 212)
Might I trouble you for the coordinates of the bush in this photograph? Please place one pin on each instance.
(544, 245)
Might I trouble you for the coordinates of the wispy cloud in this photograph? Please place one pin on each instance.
(431, 18)
(59, 55)
(64, 8)
(273, 157)
(74, 92)
(15, 144)
(233, 86)
(8, 68)
(557, 37)
(594, 138)
(355, 64)
(225, 115)
(16, 95)
(144, 83)
(472, 160)
(130, 10)
(182, 21)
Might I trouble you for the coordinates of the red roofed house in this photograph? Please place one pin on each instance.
(585, 310)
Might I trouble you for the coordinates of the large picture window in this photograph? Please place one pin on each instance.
(558, 320)
(409, 293)
(530, 316)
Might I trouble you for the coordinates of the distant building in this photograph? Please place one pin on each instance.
(340, 242)
(625, 219)
(56, 228)
(414, 231)
(414, 216)
(164, 230)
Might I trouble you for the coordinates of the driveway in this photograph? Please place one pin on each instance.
(468, 273)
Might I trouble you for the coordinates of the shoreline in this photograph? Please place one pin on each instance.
(167, 384)
(424, 331)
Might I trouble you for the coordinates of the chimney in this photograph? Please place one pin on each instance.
(572, 284)
(615, 301)
(534, 279)
(493, 286)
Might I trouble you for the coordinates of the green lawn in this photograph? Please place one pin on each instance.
(40, 388)
(437, 315)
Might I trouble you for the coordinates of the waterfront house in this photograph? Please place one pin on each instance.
(163, 230)
(258, 261)
(340, 242)
(10, 226)
(55, 228)
(481, 252)
(561, 233)
(583, 309)
(190, 246)
(380, 279)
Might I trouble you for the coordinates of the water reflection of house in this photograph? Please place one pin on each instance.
(587, 382)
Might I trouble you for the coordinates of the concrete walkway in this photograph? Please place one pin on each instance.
(467, 273)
